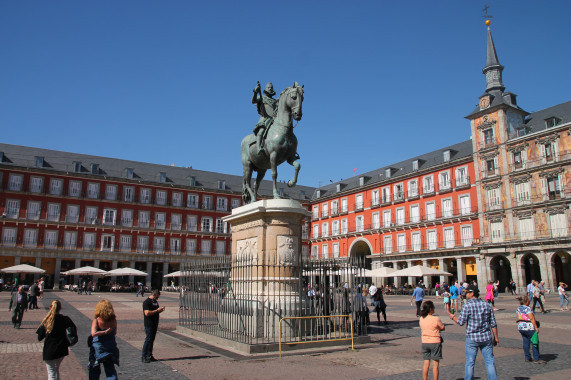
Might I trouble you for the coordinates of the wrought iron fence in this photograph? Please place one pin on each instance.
(244, 300)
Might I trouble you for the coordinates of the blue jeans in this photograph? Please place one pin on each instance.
(563, 299)
(108, 366)
(526, 335)
(488, 354)
(149, 341)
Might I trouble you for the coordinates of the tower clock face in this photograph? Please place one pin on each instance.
(484, 102)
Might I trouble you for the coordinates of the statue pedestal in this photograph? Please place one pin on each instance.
(266, 265)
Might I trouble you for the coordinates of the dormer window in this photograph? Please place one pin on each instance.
(221, 185)
(1, 156)
(338, 187)
(192, 181)
(361, 181)
(162, 177)
(39, 161)
(129, 173)
(317, 193)
(552, 122)
(446, 155)
(94, 168)
(415, 165)
(388, 173)
(302, 194)
(76, 167)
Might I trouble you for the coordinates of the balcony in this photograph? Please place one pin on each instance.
(334, 211)
(324, 214)
(427, 190)
(413, 194)
(444, 187)
(398, 197)
(385, 199)
(462, 182)
(315, 216)
(494, 205)
(375, 203)
(358, 206)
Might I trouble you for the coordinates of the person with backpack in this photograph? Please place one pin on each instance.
(103, 347)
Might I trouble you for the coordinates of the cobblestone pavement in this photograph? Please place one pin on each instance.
(394, 352)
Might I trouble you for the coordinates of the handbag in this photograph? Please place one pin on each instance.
(71, 335)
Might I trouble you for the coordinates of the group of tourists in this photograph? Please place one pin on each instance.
(22, 300)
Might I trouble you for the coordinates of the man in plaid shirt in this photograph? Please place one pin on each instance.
(481, 332)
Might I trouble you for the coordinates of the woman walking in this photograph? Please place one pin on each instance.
(380, 305)
(563, 297)
(527, 327)
(104, 347)
(53, 329)
(490, 294)
(431, 327)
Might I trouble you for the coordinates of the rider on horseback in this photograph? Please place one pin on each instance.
(266, 106)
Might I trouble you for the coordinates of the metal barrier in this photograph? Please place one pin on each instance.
(327, 328)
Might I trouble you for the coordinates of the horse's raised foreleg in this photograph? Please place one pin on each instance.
(248, 195)
(274, 166)
(296, 165)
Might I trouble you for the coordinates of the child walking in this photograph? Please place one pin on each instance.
(431, 327)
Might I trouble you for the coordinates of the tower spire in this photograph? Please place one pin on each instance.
(493, 69)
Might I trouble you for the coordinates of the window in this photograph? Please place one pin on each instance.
(109, 216)
(446, 155)
(489, 137)
(553, 188)
(220, 226)
(325, 251)
(388, 173)
(497, 231)
(522, 194)
(127, 218)
(518, 164)
(206, 224)
(36, 185)
(387, 218)
(325, 210)
(89, 241)
(304, 250)
(325, 230)
(221, 185)
(526, 228)
(428, 185)
(128, 193)
(490, 166)
(430, 211)
(175, 246)
(190, 246)
(92, 190)
(39, 162)
(465, 207)
(447, 208)
(416, 244)
(176, 222)
(388, 243)
(76, 167)
(236, 202)
(315, 212)
(558, 223)
(144, 219)
(177, 199)
(315, 231)
(461, 176)
(207, 202)
(444, 181)
(72, 214)
(220, 247)
(90, 215)
(53, 212)
(162, 177)
(386, 194)
(375, 198)
(221, 204)
(359, 202)
(12, 209)
(30, 238)
(56, 186)
(191, 222)
(161, 197)
(304, 230)
(415, 213)
(160, 220)
(50, 239)
(344, 226)
(548, 152)
(142, 244)
(449, 237)
(159, 244)
(399, 192)
(335, 207)
(431, 239)
(401, 242)
(74, 188)
(69, 239)
(467, 236)
(145, 196)
(15, 182)
(400, 216)
(314, 252)
(335, 227)
(205, 247)
(414, 165)
(336, 250)
(412, 189)
(344, 207)
(192, 181)
(111, 192)
(8, 237)
(95, 169)
(129, 173)
(125, 243)
(376, 221)
(33, 210)
(494, 200)
(192, 201)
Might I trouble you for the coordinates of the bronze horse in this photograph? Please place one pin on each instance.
(280, 146)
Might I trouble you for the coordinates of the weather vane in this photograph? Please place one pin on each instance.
(486, 15)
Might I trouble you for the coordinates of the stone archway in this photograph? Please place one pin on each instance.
(531, 268)
(359, 251)
(561, 265)
(500, 269)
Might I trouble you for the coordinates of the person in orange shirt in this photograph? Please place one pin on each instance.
(431, 326)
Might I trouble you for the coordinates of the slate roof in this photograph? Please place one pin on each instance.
(399, 169)
(535, 122)
(16, 155)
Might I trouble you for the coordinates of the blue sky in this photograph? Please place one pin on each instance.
(171, 81)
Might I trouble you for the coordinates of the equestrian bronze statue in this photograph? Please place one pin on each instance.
(273, 141)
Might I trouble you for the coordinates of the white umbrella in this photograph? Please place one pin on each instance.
(381, 272)
(87, 270)
(125, 272)
(22, 268)
(174, 274)
(419, 271)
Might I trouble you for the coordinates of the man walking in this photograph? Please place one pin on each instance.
(418, 296)
(34, 294)
(536, 293)
(151, 311)
(481, 332)
(19, 302)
